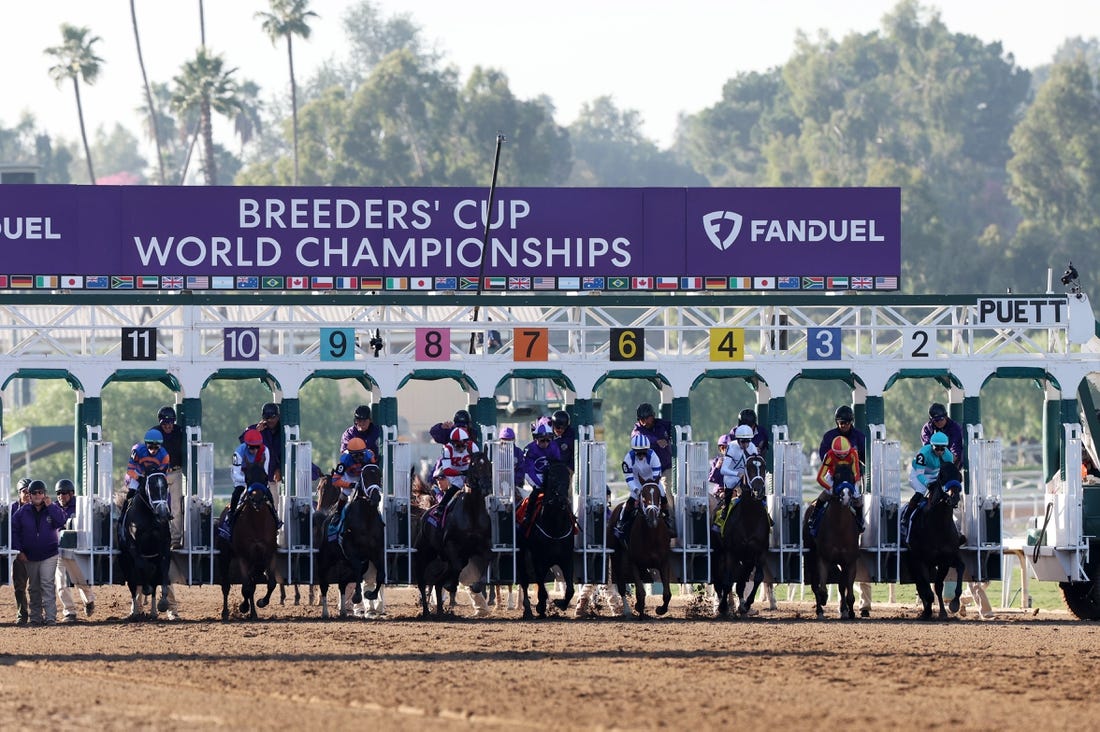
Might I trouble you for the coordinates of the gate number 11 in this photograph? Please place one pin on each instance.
(139, 344)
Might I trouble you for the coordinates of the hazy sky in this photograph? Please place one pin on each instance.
(658, 57)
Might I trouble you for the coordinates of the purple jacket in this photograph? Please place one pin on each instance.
(661, 430)
(537, 459)
(371, 436)
(952, 429)
(34, 531)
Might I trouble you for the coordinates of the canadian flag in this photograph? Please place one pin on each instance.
(296, 283)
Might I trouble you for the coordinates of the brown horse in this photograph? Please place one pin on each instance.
(251, 552)
(550, 542)
(835, 548)
(646, 549)
(738, 554)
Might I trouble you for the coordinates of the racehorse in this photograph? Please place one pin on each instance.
(647, 548)
(836, 546)
(550, 542)
(934, 541)
(360, 543)
(445, 545)
(739, 552)
(145, 541)
(251, 551)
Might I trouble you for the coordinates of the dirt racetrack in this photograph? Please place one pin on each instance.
(779, 670)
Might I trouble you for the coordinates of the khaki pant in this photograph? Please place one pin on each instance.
(40, 590)
(68, 569)
(175, 493)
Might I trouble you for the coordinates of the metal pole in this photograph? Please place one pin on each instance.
(485, 237)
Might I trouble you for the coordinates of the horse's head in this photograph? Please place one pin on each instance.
(156, 491)
(756, 476)
(256, 495)
(947, 487)
(479, 476)
(649, 502)
(555, 487)
(844, 485)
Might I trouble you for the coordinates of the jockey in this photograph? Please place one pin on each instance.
(349, 468)
(146, 457)
(938, 421)
(733, 464)
(565, 437)
(441, 431)
(454, 461)
(715, 477)
(640, 465)
(537, 456)
(840, 453)
(844, 418)
(925, 467)
(366, 430)
(759, 436)
(251, 462)
(659, 434)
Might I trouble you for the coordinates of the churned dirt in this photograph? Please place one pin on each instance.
(779, 670)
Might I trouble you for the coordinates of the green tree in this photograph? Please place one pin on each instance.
(151, 111)
(203, 87)
(117, 151)
(289, 18)
(610, 149)
(76, 60)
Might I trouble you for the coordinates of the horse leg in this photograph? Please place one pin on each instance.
(271, 583)
(566, 566)
(958, 566)
(324, 600)
(666, 586)
(544, 596)
(820, 589)
(924, 590)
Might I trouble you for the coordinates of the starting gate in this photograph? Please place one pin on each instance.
(593, 512)
(882, 504)
(501, 504)
(785, 509)
(982, 510)
(693, 512)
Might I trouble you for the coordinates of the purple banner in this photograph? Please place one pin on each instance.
(151, 237)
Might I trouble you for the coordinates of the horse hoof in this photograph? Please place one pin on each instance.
(953, 606)
(865, 612)
(371, 595)
(261, 602)
(225, 616)
(561, 604)
(662, 610)
(163, 604)
(926, 615)
(243, 607)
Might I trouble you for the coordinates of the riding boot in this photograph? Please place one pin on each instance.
(670, 520)
(451, 490)
(626, 519)
(227, 526)
(529, 515)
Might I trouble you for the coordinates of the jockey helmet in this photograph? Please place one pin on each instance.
(560, 418)
(747, 416)
(462, 417)
(723, 441)
(36, 486)
(507, 434)
(459, 435)
(843, 414)
(840, 446)
(357, 445)
(937, 411)
(639, 443)
(645, 411)
(253, 438)
(543, 431)
(23, 485)
(271, 409)
(64, 486)
(166, 414)
(939, 439)
(154, 436)
(362, 412)
(743, 432)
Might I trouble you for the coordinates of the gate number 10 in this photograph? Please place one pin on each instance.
(241, 344)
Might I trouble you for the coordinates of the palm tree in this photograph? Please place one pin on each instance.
(289, 18)
(76, 60)
(205, 86)
(148, 95)
(248, 123)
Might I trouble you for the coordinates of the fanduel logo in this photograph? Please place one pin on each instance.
(712, 224)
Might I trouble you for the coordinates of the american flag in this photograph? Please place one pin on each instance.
(197, 282)
(862, 283)
(543, 283)
(886, 283)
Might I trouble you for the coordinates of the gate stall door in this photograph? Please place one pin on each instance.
(501, 505)
(95, 547)
(592, 512)
(982, 510)
(880, 541)
(6, 552)
(296, 512)
(397, 511)
(785, 508)
(198, 545)
(693, 512)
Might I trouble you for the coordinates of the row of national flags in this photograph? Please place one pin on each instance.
(492, 283)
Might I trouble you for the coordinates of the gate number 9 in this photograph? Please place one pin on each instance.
(337, 344)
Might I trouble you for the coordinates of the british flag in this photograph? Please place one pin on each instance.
(862, 283)
(171, 282)
(519, 283)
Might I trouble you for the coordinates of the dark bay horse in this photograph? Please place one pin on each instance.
(836, 546)
(361, 542)
(465, 537)
(646, 549)
(738, 554)
(550, 542)
(934, 542)
(145, 543)
(250, 553)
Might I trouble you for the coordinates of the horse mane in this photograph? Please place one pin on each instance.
(844, 474)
